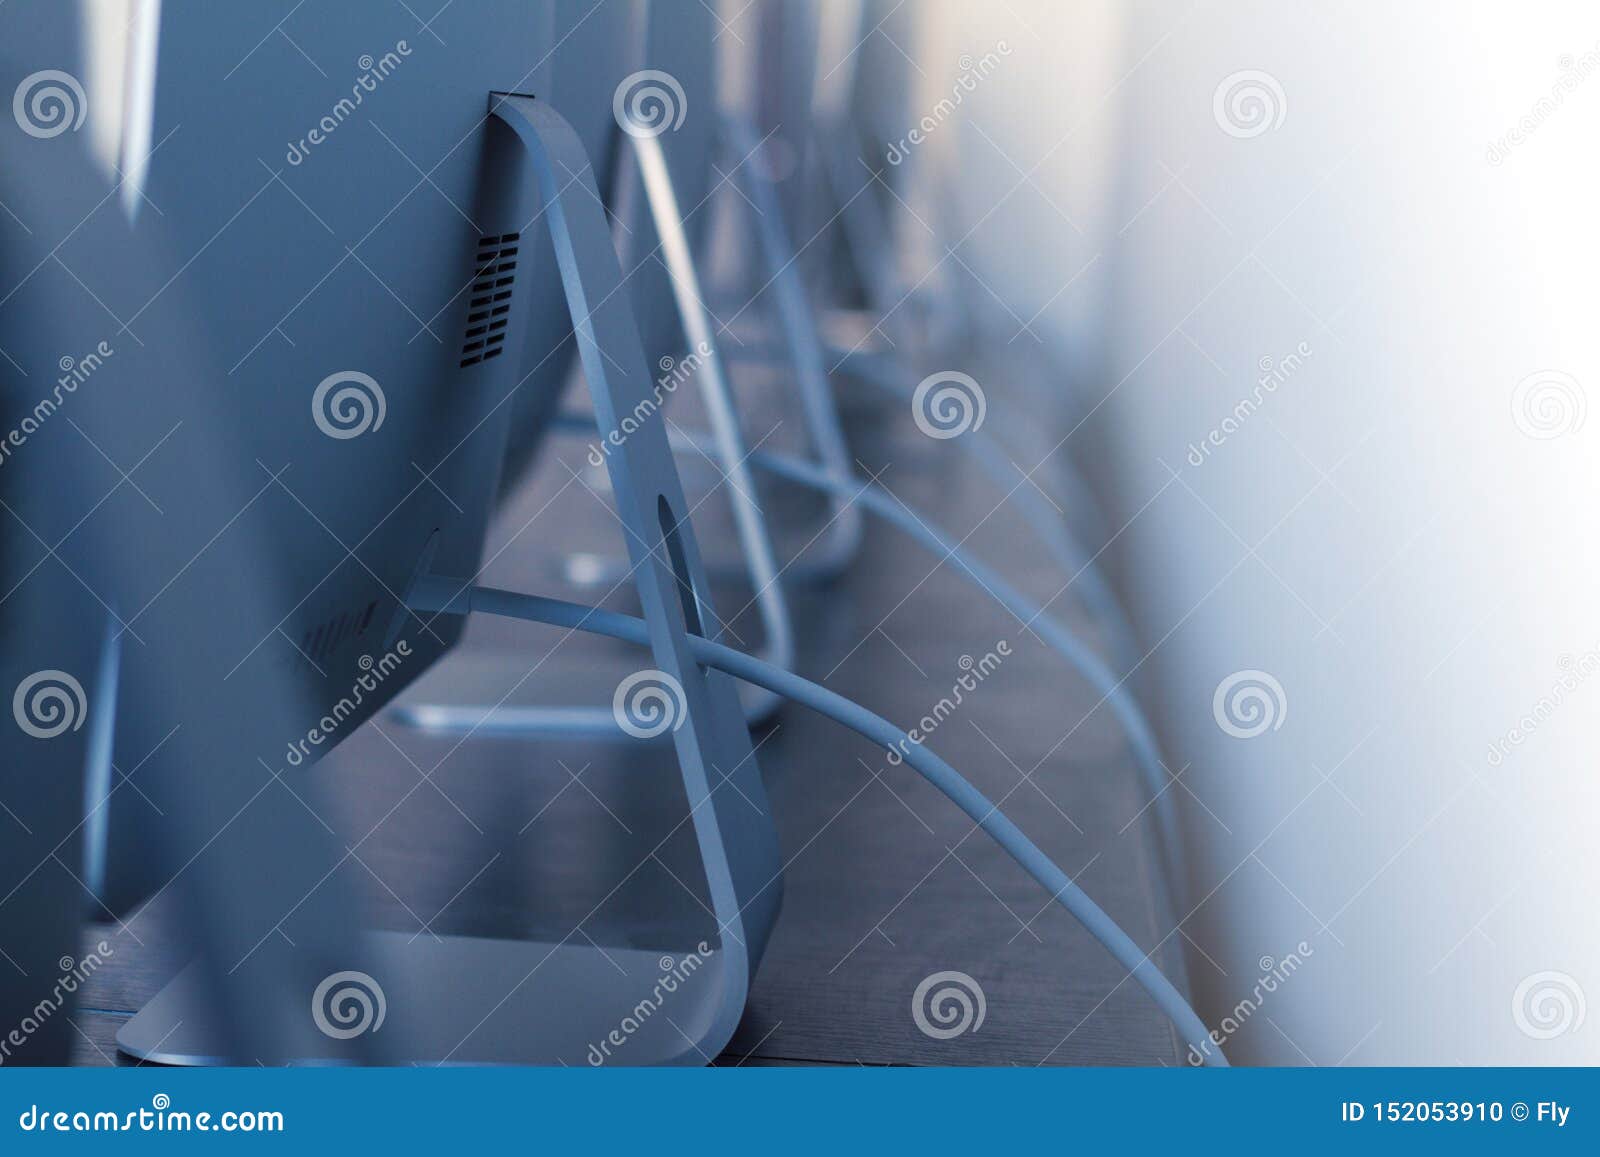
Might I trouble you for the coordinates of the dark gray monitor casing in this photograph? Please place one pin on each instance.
(332, 224)
(245, 539)
(251, 565)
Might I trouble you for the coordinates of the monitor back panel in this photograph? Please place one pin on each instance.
(318, 169)
(678, 42)
(317, 181)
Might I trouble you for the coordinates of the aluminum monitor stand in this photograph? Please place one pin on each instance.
(467, 1000)
(517, 721)
(804, 343)
(840, 539)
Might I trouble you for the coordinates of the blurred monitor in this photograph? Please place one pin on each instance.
(679, 44)
(318, 171)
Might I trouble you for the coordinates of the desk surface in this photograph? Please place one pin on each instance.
(886, 881)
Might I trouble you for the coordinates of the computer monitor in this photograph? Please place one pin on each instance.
(830, 64)
(42, 625)
(268, 460)
(365, 337)
(680, 44)
(131, 533)
(666, 40)
(367, 290)
(785, 59)
(663, 117)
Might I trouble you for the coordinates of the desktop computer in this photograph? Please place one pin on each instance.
(381, 265)
(134, 562)
(360, 305)
(662, 123)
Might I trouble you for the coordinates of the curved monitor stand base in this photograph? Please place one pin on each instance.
(463, 1000)
(466, 1000)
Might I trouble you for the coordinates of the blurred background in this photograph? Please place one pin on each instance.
(1174, 200)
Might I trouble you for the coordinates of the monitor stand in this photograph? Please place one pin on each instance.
(464, 1000)
(805, 347)
(732, 459)
(832, 549)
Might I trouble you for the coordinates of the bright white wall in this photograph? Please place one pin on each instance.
(1382, 534)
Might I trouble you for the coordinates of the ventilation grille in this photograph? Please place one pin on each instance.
(491, 299)
(320, 641)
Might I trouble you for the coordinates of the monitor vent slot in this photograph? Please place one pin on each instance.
(489, 303)
(323, 639)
